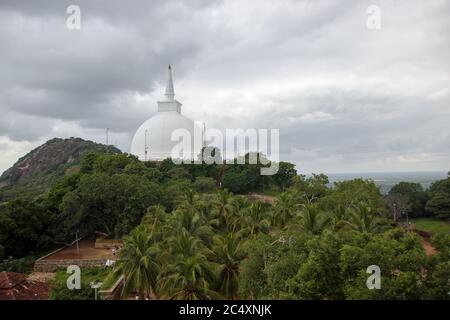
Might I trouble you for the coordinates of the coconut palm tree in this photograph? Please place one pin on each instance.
(283, 209)
(190, 203)
(155, 216)
(339, 215)
(185, 244)
(240, 206)
(138, 263)
(313, 220)
(190, 223)
(362, 219)
(207, 207)
(255, 219)
(223, 208)
(227, 253)
(189, 278)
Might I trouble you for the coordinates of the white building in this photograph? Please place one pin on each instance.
(157, 137)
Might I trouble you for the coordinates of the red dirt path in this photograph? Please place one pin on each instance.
(429, 249)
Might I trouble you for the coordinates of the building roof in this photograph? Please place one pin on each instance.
(11, 279)
(16, 286)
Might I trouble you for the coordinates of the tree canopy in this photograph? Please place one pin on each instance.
(185, 237)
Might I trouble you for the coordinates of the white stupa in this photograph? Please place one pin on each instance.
(153, 139)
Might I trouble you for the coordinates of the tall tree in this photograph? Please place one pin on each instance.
(310, 189)
(283, 209)
(439, 203)
(286, 172)
(362, 219)
(138, 263)
(190, 278)
(313, 220)
(227, 252)
(223, 207)
(256, 219)
(415, 195)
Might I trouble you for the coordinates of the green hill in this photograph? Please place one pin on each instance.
(34, 173)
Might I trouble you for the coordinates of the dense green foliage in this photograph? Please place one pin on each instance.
(332, 265)
(187, 238)
(226, 246)
(24, 227)
(35, 173)
(21, 265)
(109, 194)
(61, 292)
(439, 203)
(410, 197)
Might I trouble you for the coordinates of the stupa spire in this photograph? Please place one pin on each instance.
(170, 93)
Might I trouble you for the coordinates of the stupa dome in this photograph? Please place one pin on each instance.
(153, 139)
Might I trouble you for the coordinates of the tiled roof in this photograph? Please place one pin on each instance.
(16, 286)
(11, 279)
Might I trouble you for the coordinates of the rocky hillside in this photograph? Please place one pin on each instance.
(42, 166)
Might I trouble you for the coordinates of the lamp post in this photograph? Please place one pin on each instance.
(395, 212)
(95, 285)
(78, 247)
(145, 145)
(407, 221)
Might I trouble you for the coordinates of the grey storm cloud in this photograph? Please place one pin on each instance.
(344, 97)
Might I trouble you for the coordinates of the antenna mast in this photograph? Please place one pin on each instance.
(203, 135)
(145, 147)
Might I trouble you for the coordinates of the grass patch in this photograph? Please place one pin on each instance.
(87, 275)
(61, 292)
(431, 225)
(109, 281)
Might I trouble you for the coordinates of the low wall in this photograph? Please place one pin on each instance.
(105, 244)
(114, 292)
(52, 265)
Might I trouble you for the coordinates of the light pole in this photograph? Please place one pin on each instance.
(407, 220)
(78, 247)
(145, 147)
(395, 212)
(95, 285)
(203, 135)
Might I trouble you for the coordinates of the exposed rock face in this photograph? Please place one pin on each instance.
(52, 158)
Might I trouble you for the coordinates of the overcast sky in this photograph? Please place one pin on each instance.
(345, 98)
